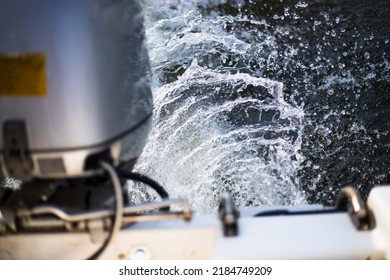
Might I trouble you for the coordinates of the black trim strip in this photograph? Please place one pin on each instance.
(285, 212)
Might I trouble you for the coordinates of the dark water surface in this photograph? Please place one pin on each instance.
(340, 74)
(331, 129)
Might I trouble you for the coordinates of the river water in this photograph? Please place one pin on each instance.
(278, 102)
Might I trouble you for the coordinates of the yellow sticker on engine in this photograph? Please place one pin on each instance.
(22, 75)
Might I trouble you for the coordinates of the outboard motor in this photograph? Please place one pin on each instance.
(75, 111)
(74, 87)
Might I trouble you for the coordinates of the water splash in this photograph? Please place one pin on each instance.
(217, 128)
(225, 132)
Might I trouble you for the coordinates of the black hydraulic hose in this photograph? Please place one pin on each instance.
(146, 180)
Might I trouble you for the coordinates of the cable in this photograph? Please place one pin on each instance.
(146, 180)
(118, 208)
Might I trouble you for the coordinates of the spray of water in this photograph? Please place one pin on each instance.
(217, 128)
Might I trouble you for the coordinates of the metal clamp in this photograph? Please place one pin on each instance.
(349, 199)
(228, 215)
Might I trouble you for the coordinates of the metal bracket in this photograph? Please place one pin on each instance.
(17, 159)
(349, 199)
(37, 218)
(228, 215)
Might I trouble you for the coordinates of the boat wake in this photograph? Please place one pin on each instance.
(216, 128)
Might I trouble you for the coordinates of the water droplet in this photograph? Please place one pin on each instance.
(366, 55)
(301, 4)
(342, 30)
(386, 41)
(316, 23)
(286, 12)
(333, 33)
(337, 19)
